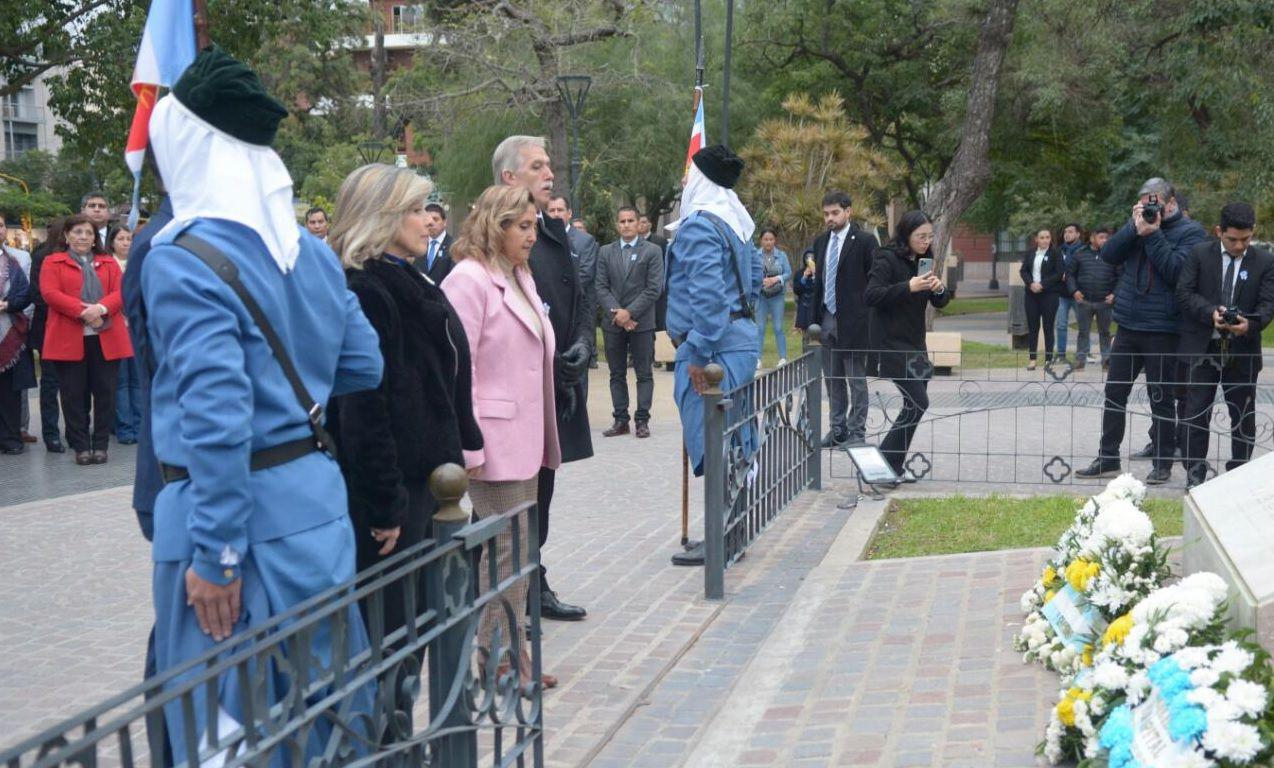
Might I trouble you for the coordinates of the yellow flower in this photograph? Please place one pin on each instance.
(1087, 658)
(1066, 712)
(1080, 572)
(1050, 575)
(1117, 630)
(1049, 595)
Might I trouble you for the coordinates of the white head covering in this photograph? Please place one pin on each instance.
(211, 174)
(703, 194)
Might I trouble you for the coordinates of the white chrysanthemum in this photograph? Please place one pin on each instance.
(1232, 741)
(1204, 697)
(1209, 582)
(1232, 659)
(1204, 677)
(1222, 711)
(1247, 696)
(1121, 522)
(1126, 487)
(1110, 676)
(1189, 658)
(1187, 759)
(1138, 686)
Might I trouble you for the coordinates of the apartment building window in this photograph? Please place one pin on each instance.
(1008, 245)
(408, 19)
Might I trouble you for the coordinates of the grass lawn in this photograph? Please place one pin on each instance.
(953, 524)
(975, 354)
(974, 306)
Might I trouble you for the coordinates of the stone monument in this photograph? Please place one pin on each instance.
(1229, 530)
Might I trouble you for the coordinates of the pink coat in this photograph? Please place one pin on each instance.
(512, 373)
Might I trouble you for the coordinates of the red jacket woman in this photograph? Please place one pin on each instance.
(61, 281)
(85, 336)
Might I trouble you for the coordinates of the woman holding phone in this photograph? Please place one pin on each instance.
(1044, 275)
(901, 284)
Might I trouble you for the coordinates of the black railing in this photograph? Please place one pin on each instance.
(761, 450)
(352, 709)
(990, 420)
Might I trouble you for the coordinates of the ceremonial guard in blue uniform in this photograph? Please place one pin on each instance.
(252, 518)
(714, 280)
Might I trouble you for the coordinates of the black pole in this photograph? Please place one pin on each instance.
(698, 44)
(725, 79)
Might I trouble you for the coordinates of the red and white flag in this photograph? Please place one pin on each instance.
(698, 136)
(167, 48)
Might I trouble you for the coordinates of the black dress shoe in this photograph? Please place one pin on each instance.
(1159, 476)
(691, 557)
(1100, 468)
(643, 429)
(616, 429)
(833, 439)
(1145, 453)
(54, 446)
(552, 608)
(14, 450)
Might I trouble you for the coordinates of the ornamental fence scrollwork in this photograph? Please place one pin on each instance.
(352, 708)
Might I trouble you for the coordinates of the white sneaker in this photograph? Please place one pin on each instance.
(782, 361)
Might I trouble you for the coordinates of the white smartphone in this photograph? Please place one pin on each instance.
(925, 266)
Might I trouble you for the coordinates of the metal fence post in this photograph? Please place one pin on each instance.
(814, 394)
(713, 485)
(447, 657)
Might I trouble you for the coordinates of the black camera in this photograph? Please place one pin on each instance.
(1230, 317)
(1152, 210)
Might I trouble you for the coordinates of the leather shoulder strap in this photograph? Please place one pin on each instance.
(225, 269)
(746, 308)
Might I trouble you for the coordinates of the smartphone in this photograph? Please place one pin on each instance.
(925, 266)
(809, 262)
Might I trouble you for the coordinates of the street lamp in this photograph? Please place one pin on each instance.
(371, 151)
(574, 89)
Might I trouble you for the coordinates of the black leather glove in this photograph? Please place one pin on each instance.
(564, 374)
(566, 402)
(576, 357)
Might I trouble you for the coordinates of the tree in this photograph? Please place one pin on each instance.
(793, 161)
(40, 35)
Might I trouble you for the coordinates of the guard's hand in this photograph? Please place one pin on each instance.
(699, 378)
(216, 607)
(1078, 296)
(388, 537)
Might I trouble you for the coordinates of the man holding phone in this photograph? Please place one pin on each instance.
(842, 257)
(1226, 294)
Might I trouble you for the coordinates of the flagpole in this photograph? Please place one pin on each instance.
(725, 77)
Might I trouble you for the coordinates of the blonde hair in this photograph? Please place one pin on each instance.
(508, 155)
(482, 237)
(371, 204)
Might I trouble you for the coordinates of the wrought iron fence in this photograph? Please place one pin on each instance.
(761, 450)
(990, 420)
(354, 709)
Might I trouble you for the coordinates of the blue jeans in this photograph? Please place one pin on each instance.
(1064, 306)
(128, 402)
(771, 310)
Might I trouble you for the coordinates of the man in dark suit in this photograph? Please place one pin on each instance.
(842, 263)
(584, 251)
(630, 278)
(436, 261)
(521, 161)
(1223, 347)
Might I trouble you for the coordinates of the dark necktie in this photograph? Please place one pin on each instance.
(1227, 284)
(628, 258)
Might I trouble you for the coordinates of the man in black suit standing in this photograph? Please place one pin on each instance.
(1226, 295)
(584, 251)
(630, 278)
(521, 161)
(842, 263)
(436, 262)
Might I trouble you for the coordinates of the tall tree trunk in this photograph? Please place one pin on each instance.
(555, 117)
(970, 168)
(379, 129)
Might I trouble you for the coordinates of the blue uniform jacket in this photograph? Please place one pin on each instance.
(702, 291)
(218, 393)
(1144, 295)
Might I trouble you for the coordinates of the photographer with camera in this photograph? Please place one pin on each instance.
(1152, 248)
(1226, 293)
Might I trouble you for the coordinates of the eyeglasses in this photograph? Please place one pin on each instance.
(924, 237)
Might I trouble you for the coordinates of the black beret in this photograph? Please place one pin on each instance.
(719, 164)
(228, 95)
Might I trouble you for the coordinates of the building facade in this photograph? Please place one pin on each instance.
(26, 122)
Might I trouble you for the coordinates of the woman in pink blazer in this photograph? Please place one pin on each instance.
(511, 347)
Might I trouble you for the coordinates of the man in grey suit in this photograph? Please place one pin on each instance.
(630, 277)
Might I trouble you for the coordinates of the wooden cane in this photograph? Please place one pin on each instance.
(685, 496)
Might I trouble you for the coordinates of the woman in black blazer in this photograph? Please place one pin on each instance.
(896, 296)
(1044, 275)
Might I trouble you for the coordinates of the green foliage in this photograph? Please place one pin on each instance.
(48, 175)
(39, 205)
